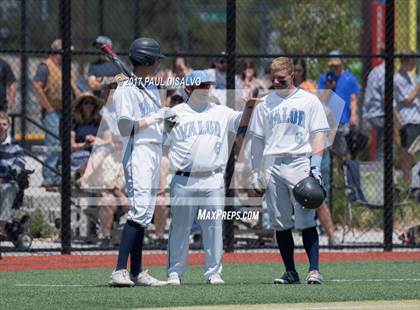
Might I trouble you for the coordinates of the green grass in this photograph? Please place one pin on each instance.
(245, 284)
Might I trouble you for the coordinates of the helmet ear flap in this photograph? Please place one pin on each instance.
(144, 60)
(150, 61)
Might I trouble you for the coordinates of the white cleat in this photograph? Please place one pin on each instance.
(120, 278)
(314, 277)
(215, 279)
(173, 279)
(145, 279)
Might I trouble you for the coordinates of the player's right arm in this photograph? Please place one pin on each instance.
(257, 137)
(124, 103)
(257, 148)
(318, 127)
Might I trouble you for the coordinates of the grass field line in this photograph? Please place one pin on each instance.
(386, 305)
(53, 285)
(373, 280)
(333, 280)
(366, 305)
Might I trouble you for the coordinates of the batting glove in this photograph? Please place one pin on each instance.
(171, 120)
(316, 174)
(156, 117)
(258, 183)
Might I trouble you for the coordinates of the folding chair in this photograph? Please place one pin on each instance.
(364, 188)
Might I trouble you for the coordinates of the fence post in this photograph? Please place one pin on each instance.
(23, 68)
(136, 17)
(101, 17)
(388, 134)
(230, 100)
(65, 27)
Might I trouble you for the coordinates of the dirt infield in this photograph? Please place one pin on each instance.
(365, 305)
(57, 262)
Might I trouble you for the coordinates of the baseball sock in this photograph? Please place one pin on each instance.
(128, 239)
(286, 247)
(136, 252)
(311, 245)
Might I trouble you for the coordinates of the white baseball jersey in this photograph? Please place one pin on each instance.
(133, 104)
(286, 123)
(200, 141)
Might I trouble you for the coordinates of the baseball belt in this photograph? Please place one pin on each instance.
(198, 174)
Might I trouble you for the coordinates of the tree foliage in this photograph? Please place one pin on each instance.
(318, 26)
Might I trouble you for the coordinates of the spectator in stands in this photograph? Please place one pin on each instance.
(220, 68)
(102, 71)
(161, 211)
(248, 79)
(7, 87)
(47, 88)
(112, 176)
(180, 66)
(323, 212)
(299, 78)
(217, 73)
(407, 100)
(373, 105)
(88, 135)
(12, 162)
(344, 85)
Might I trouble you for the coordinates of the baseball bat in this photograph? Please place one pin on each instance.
(107, 50)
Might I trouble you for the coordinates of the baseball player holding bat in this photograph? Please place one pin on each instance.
(140, 123)
(198, 153)
(289, 126)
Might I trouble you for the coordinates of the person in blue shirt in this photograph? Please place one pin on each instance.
(346, 87)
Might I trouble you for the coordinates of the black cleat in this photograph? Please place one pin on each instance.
(289, 277)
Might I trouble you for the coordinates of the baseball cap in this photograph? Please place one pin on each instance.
(335, 61)
(197, 77)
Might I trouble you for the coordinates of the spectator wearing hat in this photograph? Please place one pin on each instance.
(344, 85)
(90, 137)
(102, 71)
(48, 90)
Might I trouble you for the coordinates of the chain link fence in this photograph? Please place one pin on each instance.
(355, 48)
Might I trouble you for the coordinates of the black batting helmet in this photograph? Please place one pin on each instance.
(144, 51)
(309, 193)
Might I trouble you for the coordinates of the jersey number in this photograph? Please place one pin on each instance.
(217, 147)
(299, 137)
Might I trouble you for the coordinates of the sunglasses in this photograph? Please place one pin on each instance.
(203, 86)
(278, 79)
